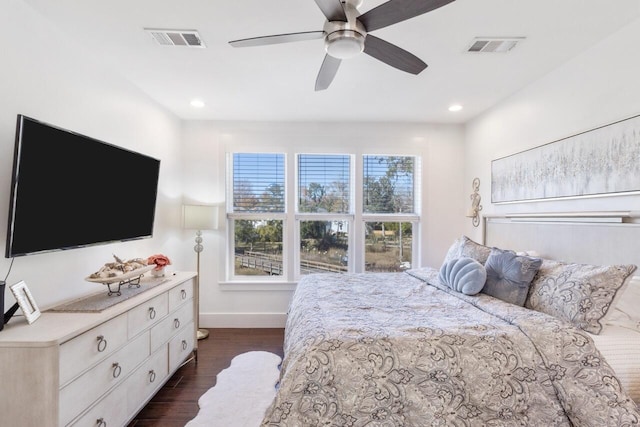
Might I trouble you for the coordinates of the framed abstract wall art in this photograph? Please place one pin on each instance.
(600, 161)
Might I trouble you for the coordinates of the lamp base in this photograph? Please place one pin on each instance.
(202, 334)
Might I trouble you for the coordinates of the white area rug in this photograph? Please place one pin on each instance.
(242, 393)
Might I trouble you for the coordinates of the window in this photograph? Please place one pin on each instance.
(388, 246)
(258, 247)
(388, 184)
(324, 190)
(324, 246)
(258, 182)
(259, 201)
(323, 183)
(291, 216)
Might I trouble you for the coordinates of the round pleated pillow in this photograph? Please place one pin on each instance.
(464, 275)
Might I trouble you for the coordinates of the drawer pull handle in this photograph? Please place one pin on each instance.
(152, 376)
(117, 370)
(152, 313)
(176, 323)
(100, 422)
(184, 344)
(102, 344)
(184, 294)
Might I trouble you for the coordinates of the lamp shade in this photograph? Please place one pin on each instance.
(199, 217)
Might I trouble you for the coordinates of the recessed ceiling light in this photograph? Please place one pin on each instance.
(455, 107)
(197, 103)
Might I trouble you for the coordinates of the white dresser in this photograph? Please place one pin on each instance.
(96, 369)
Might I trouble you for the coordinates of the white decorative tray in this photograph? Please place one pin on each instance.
(122, 277)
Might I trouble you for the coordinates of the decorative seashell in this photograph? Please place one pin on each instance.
(464, 275)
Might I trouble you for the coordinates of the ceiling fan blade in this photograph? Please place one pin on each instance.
(277, 38)
(327, 72)
(393, 55)
(395, 11)
(332, 9)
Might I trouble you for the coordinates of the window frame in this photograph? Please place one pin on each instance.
(291, 217)
(317, 216)
(232, 216)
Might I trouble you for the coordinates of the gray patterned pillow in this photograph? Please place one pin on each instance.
(509, 275)
(465, 247)
(578, 293)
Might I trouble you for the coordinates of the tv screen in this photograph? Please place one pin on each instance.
(69, 190)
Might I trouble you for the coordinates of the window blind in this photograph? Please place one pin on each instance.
(324, 183)
(258, 182)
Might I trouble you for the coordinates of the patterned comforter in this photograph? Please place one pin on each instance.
(390, 349)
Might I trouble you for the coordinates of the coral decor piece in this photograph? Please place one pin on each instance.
(161, 261)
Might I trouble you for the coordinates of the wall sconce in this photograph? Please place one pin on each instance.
(474, 210)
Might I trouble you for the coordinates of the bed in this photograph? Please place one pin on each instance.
(406, 349)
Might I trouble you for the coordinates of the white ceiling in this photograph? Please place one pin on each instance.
(276, 82)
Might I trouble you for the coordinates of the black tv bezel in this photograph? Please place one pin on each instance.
(15, 185)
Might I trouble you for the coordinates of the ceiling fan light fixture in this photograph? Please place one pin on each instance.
(344, 44)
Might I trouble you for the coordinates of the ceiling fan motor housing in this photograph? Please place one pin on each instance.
(345, 39)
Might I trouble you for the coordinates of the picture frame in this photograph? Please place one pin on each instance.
(26, 301)
(595, 163)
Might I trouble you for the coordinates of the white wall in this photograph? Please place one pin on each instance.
(595, 88)
(49, 77)
(205, 145)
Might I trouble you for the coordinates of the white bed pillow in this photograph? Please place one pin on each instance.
(626, 309)
(465, 247)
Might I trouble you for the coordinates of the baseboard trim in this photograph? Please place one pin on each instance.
(243, 320)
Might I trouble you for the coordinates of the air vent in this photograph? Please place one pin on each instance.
(187, 38)
(494, 44)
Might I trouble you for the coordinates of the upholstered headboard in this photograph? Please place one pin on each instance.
(599, 238)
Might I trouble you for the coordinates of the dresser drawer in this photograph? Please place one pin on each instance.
(109, 412)
(146, 380)
(147, 314)
(181, 346)
(83, 351)
(180, 294)
(83, 391)
(169, 326)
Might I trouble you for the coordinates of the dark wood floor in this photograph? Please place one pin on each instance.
(177, 402)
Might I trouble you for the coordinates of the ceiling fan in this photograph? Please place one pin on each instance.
(346, 34)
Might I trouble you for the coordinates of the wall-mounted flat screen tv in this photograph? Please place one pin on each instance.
(69, 191)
